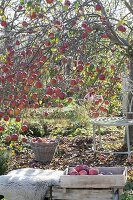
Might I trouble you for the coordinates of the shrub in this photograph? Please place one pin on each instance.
(4, 156)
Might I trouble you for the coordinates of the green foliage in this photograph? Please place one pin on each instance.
(1, 197)
(12, 127)
(129, 185)
(4, 156)
(68, 121)
(72, 130)
(67, 113)
(126, 196)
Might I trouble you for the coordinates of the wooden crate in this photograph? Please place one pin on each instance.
(90, 187)
(116, 180)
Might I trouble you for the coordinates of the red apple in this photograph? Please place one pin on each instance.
(60, 105)
(49, 104)
(93, 171)
(17, 42)
(47, 43)
(38, 84)
(10, 111)
(98, 7)
(104, 35)
(102, 77)
(73, 82)
(33, 15)
(8, 138)
(49, 1)
(79, 168)
(6, 117)
(105, 110)
(67, 3)
(59, 77)
(13, 103)
(65, 45)
(33, 140)
(49, 90)
(122, 28)
(106, 102)
(84, 35)
(46, 114)
(112, 67)
(3, 23)
(52, 140)
(102, 108)
(24, 24)
(1, 128)
(51, 35)
(57, 23)
(43, 58)
(10, 96)
(39, 139)
(1, 114)
(20, 7)
(84, 24)
(14, 137)
(88, 29)
(24, 139)
(70, 99)
(57, 91)
(24, 127)
(83, 172)
(80, 68)
(62, 95)
(102, 157)
(53, 81)
(72, 171)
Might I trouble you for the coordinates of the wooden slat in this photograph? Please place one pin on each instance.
(80, 194)
(112, 121)
(85, 182)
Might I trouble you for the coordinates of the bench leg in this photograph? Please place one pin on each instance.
(100, 137)
(128, 143)
(94, 138)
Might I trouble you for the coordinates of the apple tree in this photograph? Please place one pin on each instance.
(51, 51)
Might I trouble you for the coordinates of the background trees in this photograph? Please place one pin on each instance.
(51, 51)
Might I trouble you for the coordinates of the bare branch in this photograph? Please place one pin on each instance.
(128, 6)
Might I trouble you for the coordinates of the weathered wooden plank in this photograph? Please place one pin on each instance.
(91, 182)
(81, 194)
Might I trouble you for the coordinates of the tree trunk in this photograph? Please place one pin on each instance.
(130, 96)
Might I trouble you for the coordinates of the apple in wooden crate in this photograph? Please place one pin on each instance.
(83, 170)
(78, 168)
(73, 171)
(93, 171)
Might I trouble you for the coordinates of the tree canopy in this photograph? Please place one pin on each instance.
(51, 51)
